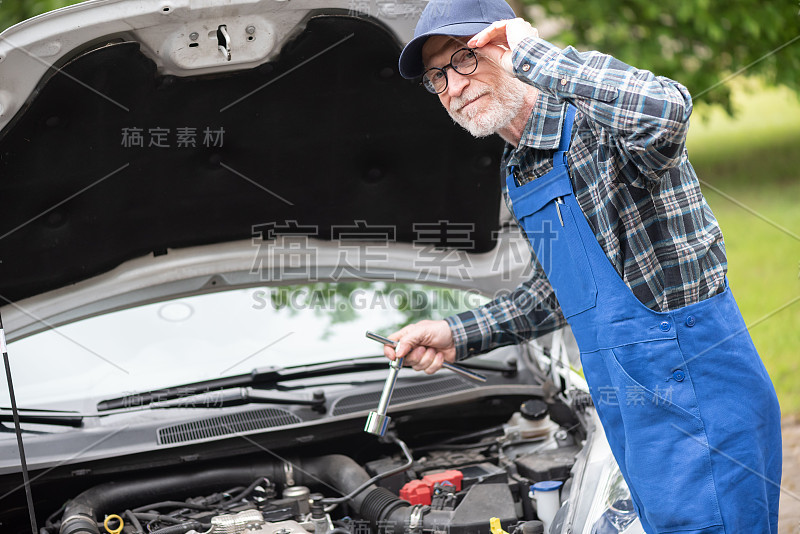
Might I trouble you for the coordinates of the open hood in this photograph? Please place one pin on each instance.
(127, 132)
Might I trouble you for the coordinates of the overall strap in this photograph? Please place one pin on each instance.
(566, 130)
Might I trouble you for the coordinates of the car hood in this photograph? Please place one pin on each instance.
(139, 160)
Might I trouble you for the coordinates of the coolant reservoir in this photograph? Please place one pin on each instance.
(531, 421)
(548, 502)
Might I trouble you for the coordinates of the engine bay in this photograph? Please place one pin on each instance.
(471, 476)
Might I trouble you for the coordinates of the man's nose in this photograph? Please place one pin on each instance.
(456, 83)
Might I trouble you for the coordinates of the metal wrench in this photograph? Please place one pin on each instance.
(453, 367)
(378, 421)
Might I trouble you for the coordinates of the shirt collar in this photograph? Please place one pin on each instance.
(543, 131)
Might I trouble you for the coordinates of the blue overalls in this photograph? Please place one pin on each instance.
(688, 408)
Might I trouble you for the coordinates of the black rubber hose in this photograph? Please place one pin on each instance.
(374, 504)
(159, 517)
(180, 529)
(78, 519)
(380, 504)
(137, 527)
(338, 472)
(171, 504)
(246, 491)
(371, 482)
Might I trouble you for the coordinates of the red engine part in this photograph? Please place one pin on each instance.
(416, 492)
(421, 491)
(453, 476)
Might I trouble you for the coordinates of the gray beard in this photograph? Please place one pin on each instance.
(505, 101)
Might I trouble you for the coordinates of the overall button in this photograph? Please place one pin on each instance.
(678, 375)
(665, 326)
(690, 321)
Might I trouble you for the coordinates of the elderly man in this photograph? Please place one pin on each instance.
(628, 254)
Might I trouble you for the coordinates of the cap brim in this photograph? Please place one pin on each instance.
(410, 63)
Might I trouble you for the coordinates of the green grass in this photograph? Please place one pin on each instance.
(754, 159)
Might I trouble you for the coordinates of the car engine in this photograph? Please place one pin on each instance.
(470, 482)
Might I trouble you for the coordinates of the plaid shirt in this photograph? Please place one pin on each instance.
(632, 179)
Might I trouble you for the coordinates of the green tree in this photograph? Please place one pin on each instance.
(700, 43)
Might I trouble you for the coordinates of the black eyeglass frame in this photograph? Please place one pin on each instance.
(429, 86)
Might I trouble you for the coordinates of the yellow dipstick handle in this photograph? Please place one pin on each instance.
(494, 526)
(121, 524)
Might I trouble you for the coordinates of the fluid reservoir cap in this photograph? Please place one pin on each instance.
(533, 410)
(547, 485)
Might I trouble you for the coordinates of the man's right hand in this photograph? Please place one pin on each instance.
(425, 345)
(499, 40)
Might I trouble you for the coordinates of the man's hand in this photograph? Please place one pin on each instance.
(498, 41)
(425, 345)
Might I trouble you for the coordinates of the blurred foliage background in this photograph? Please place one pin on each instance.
(741, 61)
(697, 42)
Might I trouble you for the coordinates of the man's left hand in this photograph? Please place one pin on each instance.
(498, 41)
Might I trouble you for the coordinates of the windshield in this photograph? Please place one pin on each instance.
(217, 334)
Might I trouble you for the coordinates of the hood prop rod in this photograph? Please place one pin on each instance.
(17, 430)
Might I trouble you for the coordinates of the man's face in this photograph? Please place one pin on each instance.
(483, 102)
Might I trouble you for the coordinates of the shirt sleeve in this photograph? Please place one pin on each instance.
(528, 311)
(646, 116)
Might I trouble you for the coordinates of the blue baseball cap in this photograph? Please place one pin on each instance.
(456, 18)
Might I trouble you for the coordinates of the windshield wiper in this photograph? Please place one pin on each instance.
(263, 378)
(270, 378)
(238, 397)
(44, 417)
(209, 399)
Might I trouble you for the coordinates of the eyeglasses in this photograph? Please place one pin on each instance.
(463, 61)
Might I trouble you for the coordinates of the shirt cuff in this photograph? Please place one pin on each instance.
(542, 64)
(531, 54)
(471, 333)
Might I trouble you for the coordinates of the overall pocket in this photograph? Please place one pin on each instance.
(667, 457)
(560, 251)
